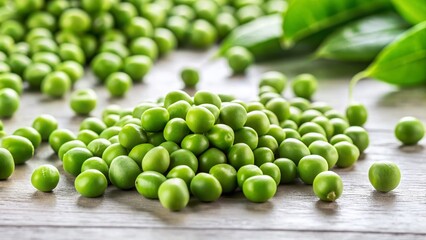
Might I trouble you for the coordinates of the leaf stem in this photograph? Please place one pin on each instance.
(359, 76)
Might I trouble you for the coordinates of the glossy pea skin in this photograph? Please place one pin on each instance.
(138, 152)
(74, 159)
(309, 127)
(104, 64)
(176, 130)
(12, 81)
(183, 172)
(75, 20)
(7, 164)
(170, 146)
(328, 186)
(48, 58)
(30, 134)
(45, 178)
(179, 109)
(108, 132)
(280, 107)
(409, 130)
(302, 104)
(91, 183)
(274, 79)
(165, 40)
(123, 172)
(83, 101)
(263, 155)
(87, 136)
(118, 84)
(206, 187)
(288, 170)
(325, 124)
(94, 6)
(156, 159)
(56, 84)
(202, 34)
(9, 102)
(293, 149)
(258, 121)
(173, 194)
(199, 119)
(348, 154)
(277, 132)
(71, 52)
(225, 23)
(311, 137)
(132, 135)
(325, 150)
(356, 114)
(248, 136)
(234, 115)
(240, 155)
(202, 97)
(271, 170)
(4, 67)
(68, 146)
(113, 151)
(359, 136)
(60, 136)
(13, 29)
(176, 95)
(190, 76)
(156, 138)
(226, 175)
(210, 158)
(304, 86)
(35, 73)
(94, 124)
(248, 13)
(21, 148)
(239, 59)
(138, 27)
(269, 142)
(154, 119)
(260, 188)
(137, 67)
(18, 62)
(148, 183)
(310, 166)
(384, 176)
(221, 136)
(292, 133)
(144, 46)
(196, 143)
(96, 163)
(339, 125)
(340, 138)
(124, 12)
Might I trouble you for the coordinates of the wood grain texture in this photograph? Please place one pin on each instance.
(295, 212)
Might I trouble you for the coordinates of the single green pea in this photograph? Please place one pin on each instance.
(68, 146)
(212, 108)
(4, 68)
(202, 34)
(45, 124)
(309, 127)
(288, 170)
(21, 148)
(155, 12)
(60, 136)
(175, 96)
(340, 138)
(56, 84)
(94, 124)
(176, 130)
(331, 114)
(173, 194)
(190, 76)
(7, 164)
(196, 143)
(183, 172)
(328, 186)
(357, 114)
(225, 23)
(30, 134)
(87, 136)
(132, 135)
(289, 124)
(325, 150)
(116, 48)
(102, 22)
(144, 46)
(384, 176)
(178, 109)
(83, 101)
(113, 151)
(339, 125)
(268, 142)
(41, 19)
(311, 137)
(326, 125)
(259, 188)
(202, 97)
(91, 183)
(248, 13)
(35, 73)
(309, 115)
(94, 6)
(179, 26)
(157, 159)
(165, 40)
(123, 13)
(310, 166)
(114, 35)
(12, 28)
(155, 119)
(271, 170)
(28, 6)
(233, 115)
(48, 58)
(12, 81)
(210, 158)
(409, 130)
(206, 187)
(6, 43)
(45, 178)
(183, 157)
(280, 107)
(295, 114)
(43, 45)
(137, 66)
(305, 86)
(71, 52)
(105, 64)
(184, 11)
(359, 137)
(148, 184)
(206, 9)
(291, 133)
(170, 146)
(106, 133)
(21, 48)
(75, 20)
(138, 152)
(118, 84)
(111, 120)
(96, 163)
(226, 175)
(240, 155)
(67, 36)
(199, 119)
(264, 98)
(141, 108)
(293, 149)
(156, 138)
(348, 154)
(239, 59)
(74, 159)
(248, 136)
(57, 7)
(263, 155)
(258, 121)
(18, 63)
(123, 172)
(9, 102)
(221, 136)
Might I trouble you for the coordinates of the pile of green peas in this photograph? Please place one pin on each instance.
(205, 146)
(47, 44)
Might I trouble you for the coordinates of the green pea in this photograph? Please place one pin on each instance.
(199, 119)
(288, 170)
(202, 97)
(183, 172)
(289, 124)
(157, 159)
(268, 142)
(113, 151)
(4, 68)
(45, 178)
(348, 154)
(93, 124)
(178, 109)
(66, 36)
(21, 48)
(305, 86)
(310, 166)
(221, 136)
(165, 40)
(138, 152)
(202, 34)
(6, 43)
(123, 172)
(210, 158)
(309, 115)
(179, 26)
(155, 119)
(184, 11)
(340, 138)
(102, 22)
(72, 52)
(118, 84)
(94, 6)
(248, 136)
(30, 134)
(280, 107)
(183, 157)
(339, 125)
(13, 28)
(7, 164)
(176, 130)
(56, 84)
(139, 27)
(359, 137)
(325, 150)
(170, 146)
(291, 133)
(271, 170)
(264, 98)
(293, 149)
(124, 12)
(259, 188)
(114, 35)
(87, 136)
(68, 146)
(148, 184)
(117, 48)
(43, 45)
(21, 148)
(45, 124)
(240, 155)
(239, 59)
(35, 73)
(206, 9)
(95, 163)
(60, 136)
(384, 176)
(28, 6)
(12, 81)
(37, 33)
(322, 107)
(357, 114)
(309, 127)
(18, 62)
(108, 132)
(132, 135)
(225, 23)
(74, 159)
(226, 175)
(91, 183)
(258, 121)
(295, 114)
(325, 124)
(57, 7)
(83, 101)
(190, 76)
(263, 155)
(41, 20)
(144, 46)
(175, 96)
(248, 13)
(233, 115)
(173, 194)
(328, 186)
(206, 187)
(196, 143)
(137, 66)
(156, 138)
(409, 130)
(331, 114)
(105, 64)
(311, 137)
(48, 58)
(75, 20)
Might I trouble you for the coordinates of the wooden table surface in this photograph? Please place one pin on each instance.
(294, 212)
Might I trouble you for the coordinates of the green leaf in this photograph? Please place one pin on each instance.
(306, 17)
(403, 62)
(413, 11)
(363, 39)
